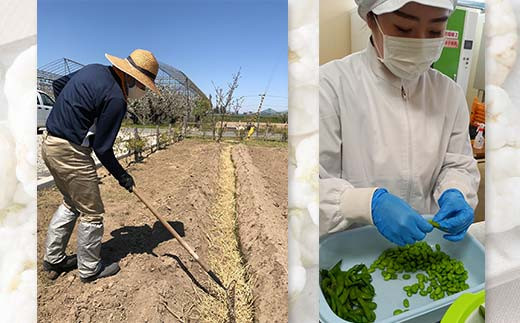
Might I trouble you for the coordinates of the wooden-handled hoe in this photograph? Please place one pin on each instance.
(230, 291)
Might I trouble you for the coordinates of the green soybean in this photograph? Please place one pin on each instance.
(482, 311)
(350, 293)
(434, 224)
(437, 274)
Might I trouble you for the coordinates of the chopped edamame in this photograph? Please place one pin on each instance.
(443, 275)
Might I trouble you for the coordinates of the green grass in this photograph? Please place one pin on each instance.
(234, 141)
(265, 143)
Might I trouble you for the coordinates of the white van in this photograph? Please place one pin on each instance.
(44, 105)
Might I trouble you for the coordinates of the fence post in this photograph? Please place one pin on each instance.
(148, 141)
(157, 137)
(136, 138)
(184, 126)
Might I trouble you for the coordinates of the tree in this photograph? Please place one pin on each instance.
(236, 105)
(284, 117)
(224, 100)
(202, 109)
(156, 109)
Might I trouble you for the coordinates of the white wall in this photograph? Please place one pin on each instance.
(477, 63)
(334, 29)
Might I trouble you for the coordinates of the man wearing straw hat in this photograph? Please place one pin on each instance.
(86, 118)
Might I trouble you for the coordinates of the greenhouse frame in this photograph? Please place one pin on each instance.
(168, 76)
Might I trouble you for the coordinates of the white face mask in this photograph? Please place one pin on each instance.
(135, 92)
(408, 58)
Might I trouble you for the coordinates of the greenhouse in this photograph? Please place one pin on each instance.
(168, 77)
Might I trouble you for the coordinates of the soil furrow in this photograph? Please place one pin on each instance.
(225, 257)
(262, 228)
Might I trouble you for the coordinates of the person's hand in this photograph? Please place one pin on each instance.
(127, 181)
(396, 220)
(455, 215)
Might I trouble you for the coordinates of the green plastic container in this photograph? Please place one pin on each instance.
(466, 309)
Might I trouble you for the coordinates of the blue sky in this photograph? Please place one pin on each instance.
(209, 40)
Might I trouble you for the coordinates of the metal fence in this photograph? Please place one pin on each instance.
(168, 76)
(52, 71)
(140, 143)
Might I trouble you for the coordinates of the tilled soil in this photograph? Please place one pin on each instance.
(262, 226)
(159, 282)
(273, 164)
(180, 182)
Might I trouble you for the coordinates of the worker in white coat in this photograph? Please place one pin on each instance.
(394, 141)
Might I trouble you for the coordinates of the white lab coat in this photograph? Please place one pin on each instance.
(376, 130)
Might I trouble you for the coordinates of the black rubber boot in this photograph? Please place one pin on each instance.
(67, 264)
(105, 271)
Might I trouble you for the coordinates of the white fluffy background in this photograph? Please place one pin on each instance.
(17, 161)
(18, 189)
(18, 173)
(303, 161)
(503, 144)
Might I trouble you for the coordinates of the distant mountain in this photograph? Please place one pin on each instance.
(271, 112)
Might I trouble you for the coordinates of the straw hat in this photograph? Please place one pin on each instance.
(141, 65)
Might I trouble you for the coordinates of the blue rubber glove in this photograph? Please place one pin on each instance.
(396, 220)
(455, 215)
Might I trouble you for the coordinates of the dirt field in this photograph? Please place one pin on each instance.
(262, 225)
(159, 282)
(273, 169)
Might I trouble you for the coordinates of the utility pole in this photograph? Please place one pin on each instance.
(262, 97)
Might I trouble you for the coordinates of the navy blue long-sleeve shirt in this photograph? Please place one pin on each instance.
(92, 96)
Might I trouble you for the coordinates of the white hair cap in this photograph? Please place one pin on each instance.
(380, 7)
